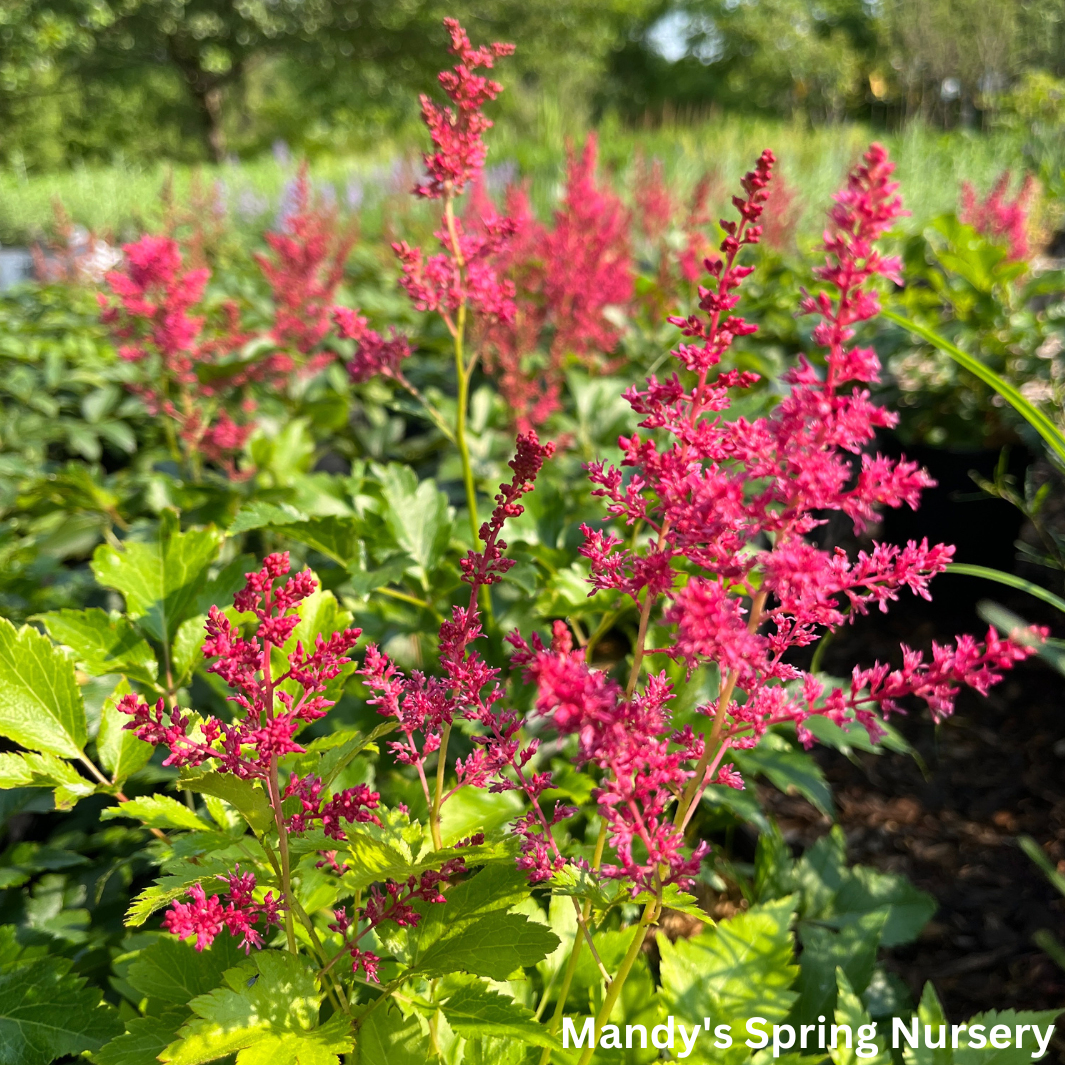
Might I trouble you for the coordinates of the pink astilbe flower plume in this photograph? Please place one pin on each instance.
(271, 713)
(425, 707)
(998, 218)
(304, 271)
(204, 916)
(151, 316)
(568, 276)
(457, 132)
(463, 277)
(251, 748)
(729, 505)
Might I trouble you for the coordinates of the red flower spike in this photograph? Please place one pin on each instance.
(458, 148)
(304, 273)
(730, 502)
(271, 718)
(999, 219)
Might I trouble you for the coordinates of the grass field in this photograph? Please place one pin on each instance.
(121, 200)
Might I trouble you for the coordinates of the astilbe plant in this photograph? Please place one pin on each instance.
(567, 276)
(151, 316)
(251, 747)
(461, 279)
(997, 217)
(304, 272)
(193, 371)
(721, 513)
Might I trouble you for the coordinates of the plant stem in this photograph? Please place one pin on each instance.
(91, 766)
(712, 742)
(438, 797)
(282, 846)
(273, 788)
(463, 379)
(406, 597)
(647, 918)
(575, 950)
(319, 947)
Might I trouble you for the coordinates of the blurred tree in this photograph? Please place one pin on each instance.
(185, 65)
(952, 56)
(780, 56)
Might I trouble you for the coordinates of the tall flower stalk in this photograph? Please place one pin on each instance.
(460, 280)
(728, 506)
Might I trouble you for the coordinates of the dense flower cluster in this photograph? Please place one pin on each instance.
(204, 916)
(274, 704)
(354, 805)
(999, 218)
(425, 707)
(392, 903)
(457, 133)
(374, 355)
(463, 276)
(729, 505)
(153, 322)
(193, 374)
(568, 276)
(304, 273)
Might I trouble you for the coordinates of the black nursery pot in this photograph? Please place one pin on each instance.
(983, 529)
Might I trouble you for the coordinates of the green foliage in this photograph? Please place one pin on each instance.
(47, 1012)
(475, 1010)
(267, 1012)
(741, 968)
(474, 931)
(163, 581)
(40, 704)
(386, 1037)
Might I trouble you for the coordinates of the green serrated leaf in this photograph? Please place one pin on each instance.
(260, 515)
(144, 1040)
(363, 581)
(476, 1010)
(335, 536)
(167, 888)
(250, 801)
(104, 643)
(929, 1012)
(175, 972)
(386, 1037)
(161, 580)
(1024, 1054)
(40, 704)
(29, 770)
(675, 899)
(740, 968)
(121, 752)
(46, 1012)
(473, 932)
(851, 1012)
(417, 514)
(186, 651)
(788, 769)
(834, 893)
(157, 811)
(852, 950)
(374, 860)
(267, 1013)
